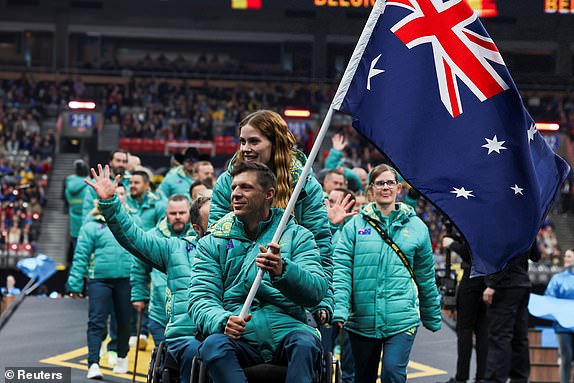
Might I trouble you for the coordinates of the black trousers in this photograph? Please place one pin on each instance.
(508, 355)
(471, 319)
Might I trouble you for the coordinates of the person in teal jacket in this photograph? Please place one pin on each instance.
(107, 265)
(118, 164)
(74, 191)
(179, 179)
(334, 160)
(265, 137)
(149, 205)
(175, 224)
(224, 269)
(376, 299)
(172, 256)
(561, 286)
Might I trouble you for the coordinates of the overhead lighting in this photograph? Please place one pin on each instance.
(90, 105)
(297, 113)
(547, 126)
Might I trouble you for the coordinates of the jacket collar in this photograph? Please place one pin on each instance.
(399, 216)
(166, 230)
(231, 227)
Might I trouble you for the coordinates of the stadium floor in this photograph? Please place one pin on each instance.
(48, 332)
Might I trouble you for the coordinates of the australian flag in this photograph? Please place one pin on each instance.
(428, 86)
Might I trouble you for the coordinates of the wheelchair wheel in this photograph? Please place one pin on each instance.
(338, 371)
(327, 369)
(150, 369)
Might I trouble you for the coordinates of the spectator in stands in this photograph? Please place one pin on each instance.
(173, 256)
(507, 295)
(118, 164)
(179, 179)
(74, 191)
(562, 286)
(277, 329)
(10, 288)
(264, 137)
(401, 276)
(107, 265)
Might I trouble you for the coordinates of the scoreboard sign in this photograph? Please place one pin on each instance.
(559, 6)
(78, 124)
(483, 8)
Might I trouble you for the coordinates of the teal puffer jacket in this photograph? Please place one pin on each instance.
(91, 198)
(310, 212)
(143, 275)
(172, 256)
(75, 190)
(224, 270)
(175, 182)
(151, 209)
(374, 293)
(98, 255)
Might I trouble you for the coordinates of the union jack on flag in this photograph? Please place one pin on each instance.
(458, 52)
(428, 86)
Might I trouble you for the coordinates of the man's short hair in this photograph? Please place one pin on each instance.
(113, 153)
(199, 164)
(265, 177)
(196, 183)
(194, 216)
(345, 191)
(143, 175)
(334, 171)
(178, 198)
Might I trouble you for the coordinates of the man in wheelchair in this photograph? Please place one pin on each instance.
(225, 266)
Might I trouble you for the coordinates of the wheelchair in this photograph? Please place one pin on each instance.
(162, 367)
(328, 368)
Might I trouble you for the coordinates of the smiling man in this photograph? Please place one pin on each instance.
(224, 269)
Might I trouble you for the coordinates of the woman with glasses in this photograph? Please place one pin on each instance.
(384, 281)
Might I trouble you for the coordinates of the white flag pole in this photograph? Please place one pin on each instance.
(290, 206)
(341, 91)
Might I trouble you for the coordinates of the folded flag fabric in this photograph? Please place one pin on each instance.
(38, 268)
(554, 309)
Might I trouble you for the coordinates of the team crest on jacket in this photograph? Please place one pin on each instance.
(364, 232)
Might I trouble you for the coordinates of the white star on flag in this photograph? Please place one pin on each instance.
(517, 189)
(531, 132)
(461, 192)
(373, 71)
(494, 145)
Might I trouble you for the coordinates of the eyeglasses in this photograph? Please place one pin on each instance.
(382, 184)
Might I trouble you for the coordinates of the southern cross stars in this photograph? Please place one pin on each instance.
(517, 189)
(373, 71)
(461, 192)
(494, 145)
(531, 132)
